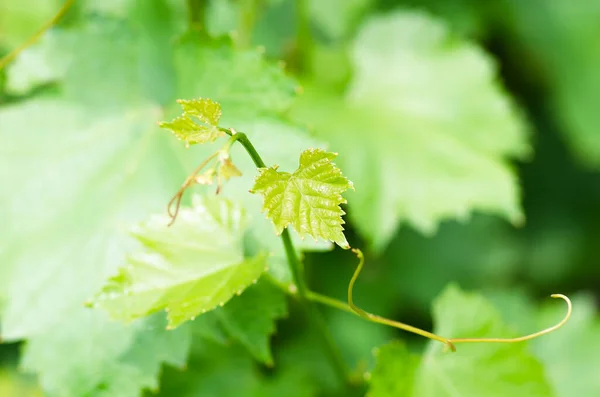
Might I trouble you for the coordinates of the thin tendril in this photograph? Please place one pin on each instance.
(176, 200)
(449, 342)
(526, 337)
(13, 54)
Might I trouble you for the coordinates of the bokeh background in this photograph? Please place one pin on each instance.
(547, 58)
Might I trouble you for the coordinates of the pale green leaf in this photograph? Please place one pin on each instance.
(474, 370)
(243, 82)
(206, 110)
(426, 130)
(69, 217)
(309, 198)
(188, 268)
(185, 129)
(112, 360)
(251, 317)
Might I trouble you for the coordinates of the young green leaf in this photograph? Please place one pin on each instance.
(188, 268)
(186, 129)
(309, 198)
(485, 370)
(206, 110)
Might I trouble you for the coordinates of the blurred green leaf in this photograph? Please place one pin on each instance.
(557, 40)
(395, 372)
(337, 18)
(243, 82)
(250, 318)
(19, 21)
(188, 268)
(109, 360)
(67, 198)
(427, 140)
(480, 370)
(218, 371)
(309, 198)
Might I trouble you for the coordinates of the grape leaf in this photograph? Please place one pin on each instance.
(185, 129)
(112, 360)
(474, 369)
(251, 317)
(242, 82)
(395, 371)
(309, 198)
(188, 268)
(432, 151)
(215, 370)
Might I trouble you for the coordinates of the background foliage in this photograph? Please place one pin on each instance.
(469, 129)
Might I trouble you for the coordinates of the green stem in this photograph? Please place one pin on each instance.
(297, 272)
(312, 312)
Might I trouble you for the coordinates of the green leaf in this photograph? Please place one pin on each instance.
(250, 318)
(206, 110)
(68, 217)
(185, 129)
(417, 144)
(395, 371)
(243, 82)
(215, 370)
(309, 198)
(501, 369)
(187, 269)
(112, 360)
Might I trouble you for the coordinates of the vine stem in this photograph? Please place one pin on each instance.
(13, 54)
(303, 292)
(304, 40)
